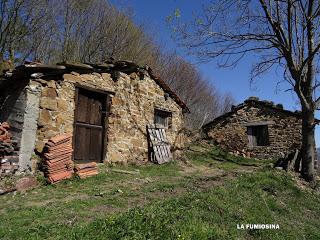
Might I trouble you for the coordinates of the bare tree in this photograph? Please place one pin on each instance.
(9, 16)
(283, 33)
(227, 103)
(74, 30)
(202, 98)
(94, 31)
(19, 19)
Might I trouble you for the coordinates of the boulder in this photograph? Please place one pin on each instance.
(26, 183)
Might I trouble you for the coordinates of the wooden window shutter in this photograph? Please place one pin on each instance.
(258, 135)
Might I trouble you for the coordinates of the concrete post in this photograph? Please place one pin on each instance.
(29, 130)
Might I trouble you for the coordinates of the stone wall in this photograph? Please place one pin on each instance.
(231, 132)
(13, 104)
(132, 109)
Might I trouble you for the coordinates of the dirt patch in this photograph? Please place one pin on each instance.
(189, 168)
(105, 209)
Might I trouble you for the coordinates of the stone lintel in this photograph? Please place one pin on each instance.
(258, 123)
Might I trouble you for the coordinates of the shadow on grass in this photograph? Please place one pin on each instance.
(210, 154)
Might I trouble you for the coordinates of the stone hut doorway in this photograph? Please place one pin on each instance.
(91, 112)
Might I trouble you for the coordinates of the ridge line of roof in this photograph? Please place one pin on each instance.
(249, 101)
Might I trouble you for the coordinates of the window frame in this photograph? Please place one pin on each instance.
(164, 114)
(258, 135)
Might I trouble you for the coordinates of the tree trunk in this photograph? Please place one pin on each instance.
(308, 145)
(11, 55)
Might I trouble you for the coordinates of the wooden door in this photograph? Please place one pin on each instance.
(90, 118)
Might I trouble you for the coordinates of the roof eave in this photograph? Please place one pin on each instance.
(30, 68)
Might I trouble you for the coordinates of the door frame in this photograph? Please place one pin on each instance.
(107, 103)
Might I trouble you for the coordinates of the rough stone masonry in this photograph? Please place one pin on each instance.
(135, 93)
(257, 129)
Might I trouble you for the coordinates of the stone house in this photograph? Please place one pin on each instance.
(257, 129)
(106, 107)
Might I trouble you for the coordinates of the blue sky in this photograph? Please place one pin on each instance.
(152, 14)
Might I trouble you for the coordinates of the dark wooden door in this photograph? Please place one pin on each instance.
(90, 118)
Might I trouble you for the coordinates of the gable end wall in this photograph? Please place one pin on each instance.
(132, 109)
(231, 132)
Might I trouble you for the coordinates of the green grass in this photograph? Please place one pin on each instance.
(204, 199)
(264, 197)
(210, 154)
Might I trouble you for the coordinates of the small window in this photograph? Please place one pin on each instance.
(258, 135)
(162, 118)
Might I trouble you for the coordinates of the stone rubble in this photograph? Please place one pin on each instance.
(8, 150)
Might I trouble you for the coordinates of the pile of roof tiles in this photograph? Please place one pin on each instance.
(8, 150)
(58, 164)
(86, 169)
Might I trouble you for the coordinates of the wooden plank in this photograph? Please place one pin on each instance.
(158, 136)
(292, 162)
(165, 153)
(249, 132)
(166, 144)
(96, 108)
(80, 143)
(163, 133)
(151, 135)
(88, 110)
(93, 112)
(106, 106)
(160, 154)
(252, 138)
(162, 158)
(76, 110)
(95, 144)
(82, 108)
(264, 136)
(160, 146)
(89, 125)
(157, 155)
(151, 138)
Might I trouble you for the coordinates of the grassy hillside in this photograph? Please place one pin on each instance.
(263, 197)
(204, 198)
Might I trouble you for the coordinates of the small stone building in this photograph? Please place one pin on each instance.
(106, 107)
(257, 129)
